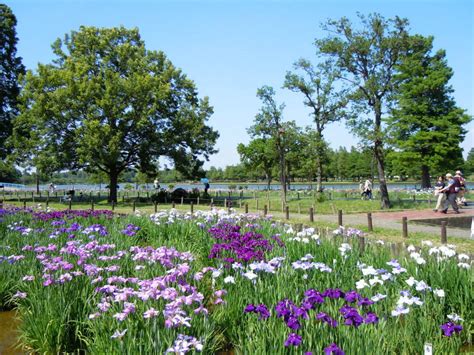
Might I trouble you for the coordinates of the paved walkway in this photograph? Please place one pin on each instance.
(393, 220)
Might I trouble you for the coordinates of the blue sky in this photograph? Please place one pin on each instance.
(230, 48)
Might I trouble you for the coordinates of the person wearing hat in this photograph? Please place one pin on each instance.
(461, 200)
(451, 190)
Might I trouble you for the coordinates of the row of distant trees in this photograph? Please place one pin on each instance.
(389, 86)
(339, 165)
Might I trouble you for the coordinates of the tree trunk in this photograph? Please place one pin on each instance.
(425, 177)
(378, 153)
(319, 161)
(113, 177)
(288, 177)
(269, 180)
(319, 174)
(37, 183)
(282, 176)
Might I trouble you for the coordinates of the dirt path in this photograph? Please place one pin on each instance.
(393, 220)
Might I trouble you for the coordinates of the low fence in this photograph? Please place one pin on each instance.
(134, 203)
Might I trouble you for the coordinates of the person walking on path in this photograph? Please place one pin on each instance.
(452, 190)
(461, 200)
(440, 185)
(368, 188)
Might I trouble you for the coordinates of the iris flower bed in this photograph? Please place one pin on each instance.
(97, 282)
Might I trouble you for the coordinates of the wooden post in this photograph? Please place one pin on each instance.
(444, 236)
(339, 217)
(369, 222)
(92, 205)
(155, 206)
(212, 202)
(192, 207)
(182, 200)
(298, 194)
(134, 206)
(287, 208)
(173, 205)
(311, 214)
(362, 244)
(225, 202)
(240, 203)
(197, 201)
(404, 227)
(113, 205)
(246, 208)
(265, 210)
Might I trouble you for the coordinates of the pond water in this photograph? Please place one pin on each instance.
(9, 334)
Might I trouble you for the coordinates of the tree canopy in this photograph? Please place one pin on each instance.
(106, 103)
(367, 59)
(10, 70)
(317, 85)
(426, 124)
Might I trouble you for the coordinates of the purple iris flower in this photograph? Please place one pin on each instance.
(450, 328)
(249, 308)
(352, 296)
(313, 296)
(365, 302)
(327, 319)
(333, 349)
(351, 316)
(333, 293)
(293, 339)
(371, 318)
(293, 323)
(263, 312)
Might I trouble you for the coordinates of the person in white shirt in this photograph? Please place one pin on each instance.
(368, 188)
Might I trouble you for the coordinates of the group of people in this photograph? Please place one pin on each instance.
(450, 191)
(366, 189)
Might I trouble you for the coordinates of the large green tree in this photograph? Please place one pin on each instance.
(108, 104)
(259, 157)
(426, 124)
(367, 59)
(10, 69)
(269, 125)
(326, 101)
